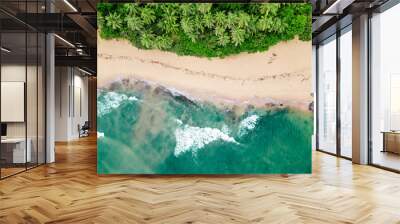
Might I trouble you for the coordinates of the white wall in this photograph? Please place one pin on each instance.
(12, 73)
(62, 82)
(34, 126)
(71, 102)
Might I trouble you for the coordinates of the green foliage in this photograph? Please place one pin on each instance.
(206, 30)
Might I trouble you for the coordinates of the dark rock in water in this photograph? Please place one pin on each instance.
(115, 86)
(230, 113)
(125, 82)
(152, 119)
(141, 86)
(184, 99)
(270, 105)
(250, 107)
(161, 90)
(311, 106)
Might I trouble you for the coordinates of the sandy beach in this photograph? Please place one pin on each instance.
(280, 75)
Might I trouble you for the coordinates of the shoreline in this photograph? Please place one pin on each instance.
(279, 76)
(126, 84)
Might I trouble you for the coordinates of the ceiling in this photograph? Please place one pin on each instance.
(73, 21)
(331, 15)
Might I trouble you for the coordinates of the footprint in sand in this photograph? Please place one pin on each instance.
(272, 58)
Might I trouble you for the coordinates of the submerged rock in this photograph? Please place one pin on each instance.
(161, 90)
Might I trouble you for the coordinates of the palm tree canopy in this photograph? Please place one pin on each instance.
(206, 29)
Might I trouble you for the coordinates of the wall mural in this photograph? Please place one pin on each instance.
(204, 88)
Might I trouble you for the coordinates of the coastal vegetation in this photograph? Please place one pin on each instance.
(205, 29)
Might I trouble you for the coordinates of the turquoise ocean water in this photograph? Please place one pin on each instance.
(153, 130)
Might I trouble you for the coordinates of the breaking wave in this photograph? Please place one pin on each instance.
(190, 138)
(112, 100)
(247, 124)
(100, 134)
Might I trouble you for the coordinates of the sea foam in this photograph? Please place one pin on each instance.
(111, 101)
(190, 138)
(100, 134)
(247, 124)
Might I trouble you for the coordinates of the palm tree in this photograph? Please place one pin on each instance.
(231, 20)
(187, 26)
(131, 8)
(114, 21)
(278, 26)
(208, 20)
(163, 42)
(252, 27)
(238, 36)
(220, 19)
(198, 23)
(204, 7)
(168, 23)
(264, 23)
(223, 40)
(243, 20)
(219, 31)
(147, 39)
(147, 15)
(100, 20)
(186, 9)
(269, 9)
(134, 23)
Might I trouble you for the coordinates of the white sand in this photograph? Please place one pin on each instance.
(280, 75)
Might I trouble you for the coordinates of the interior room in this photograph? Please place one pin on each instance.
(25, 65)
(22, 102)
(95, 130)
(71, 100)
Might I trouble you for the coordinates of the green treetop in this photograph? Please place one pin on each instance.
(205, 29)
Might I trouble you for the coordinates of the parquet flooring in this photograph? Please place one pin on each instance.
(70, 191)
(10, 171)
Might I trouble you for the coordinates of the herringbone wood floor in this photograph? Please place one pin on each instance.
(70, 191)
